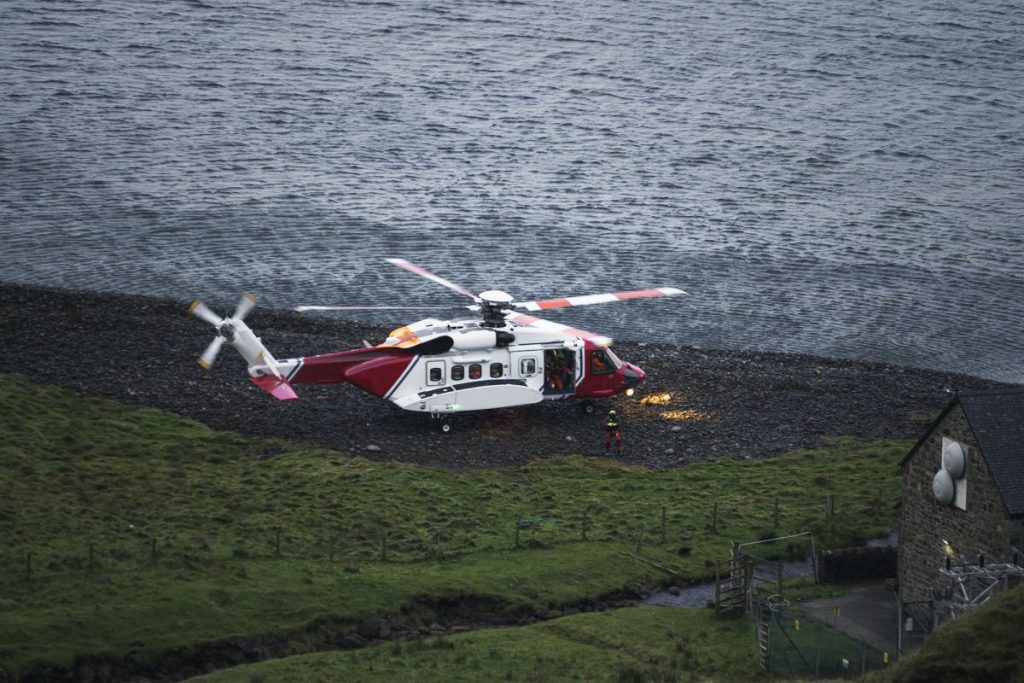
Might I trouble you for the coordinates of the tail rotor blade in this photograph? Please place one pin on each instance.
(210, 354)
(245, 305)
(203, 312)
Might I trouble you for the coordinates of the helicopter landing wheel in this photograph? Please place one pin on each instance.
(588, 407)
(446, 425)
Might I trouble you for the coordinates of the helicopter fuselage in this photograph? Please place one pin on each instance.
(439, 367)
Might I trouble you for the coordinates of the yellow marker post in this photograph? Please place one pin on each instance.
(885, 657)
(796, 624)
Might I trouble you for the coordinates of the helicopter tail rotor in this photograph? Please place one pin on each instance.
(227, 329)
(234, 331)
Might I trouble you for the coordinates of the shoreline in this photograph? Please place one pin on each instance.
(742, 404)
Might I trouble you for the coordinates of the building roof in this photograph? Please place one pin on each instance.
(996, 417)
(997, 420)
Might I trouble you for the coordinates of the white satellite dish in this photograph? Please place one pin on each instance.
(943, 487)
(954, 460)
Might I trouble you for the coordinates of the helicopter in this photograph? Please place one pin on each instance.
(499, 359)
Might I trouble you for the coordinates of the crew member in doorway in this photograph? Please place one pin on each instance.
(612, 432)
(556, 382)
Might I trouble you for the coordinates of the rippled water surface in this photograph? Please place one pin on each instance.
(833, 179)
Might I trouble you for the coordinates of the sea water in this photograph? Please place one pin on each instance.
(837, 179)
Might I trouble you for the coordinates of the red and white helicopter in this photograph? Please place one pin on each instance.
(440, 367)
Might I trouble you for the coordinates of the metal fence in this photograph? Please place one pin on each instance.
(791, 643)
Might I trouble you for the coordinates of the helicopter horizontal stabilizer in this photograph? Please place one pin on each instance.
(278, 388)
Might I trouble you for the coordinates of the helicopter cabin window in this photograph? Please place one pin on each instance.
(527, 366)
(435, 375)
(600, 362)
(475, 371)
(458, 372)
(496, 370)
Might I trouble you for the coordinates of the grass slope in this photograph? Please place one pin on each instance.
(633, 644)
(129, 532)
(984, 645)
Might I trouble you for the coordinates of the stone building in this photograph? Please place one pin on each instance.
(963, 483)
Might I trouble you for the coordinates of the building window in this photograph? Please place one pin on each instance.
(458, 372)
(496, 370)
(475, 371)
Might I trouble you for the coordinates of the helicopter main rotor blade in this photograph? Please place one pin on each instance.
(423, 272)
(540, 323)
(302, 309)
(590, 299)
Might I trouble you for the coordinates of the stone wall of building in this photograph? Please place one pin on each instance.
(925, 523)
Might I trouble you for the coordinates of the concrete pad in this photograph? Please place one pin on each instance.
(867, 611)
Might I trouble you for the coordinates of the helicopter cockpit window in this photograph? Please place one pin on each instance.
(458, 372)
(475, 371)
(496, 370)
(600, 362)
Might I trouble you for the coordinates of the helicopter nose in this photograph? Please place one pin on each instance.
(632, 375)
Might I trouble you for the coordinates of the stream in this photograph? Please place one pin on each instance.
(699, 595)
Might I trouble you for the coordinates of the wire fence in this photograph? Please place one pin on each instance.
(792, 643)
(359, 543)
(377, 536)
(192, 552)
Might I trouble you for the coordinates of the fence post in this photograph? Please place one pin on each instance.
(814, 562)
(718, 586)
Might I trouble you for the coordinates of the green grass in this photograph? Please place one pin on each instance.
(633, 644)
(78, 473)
